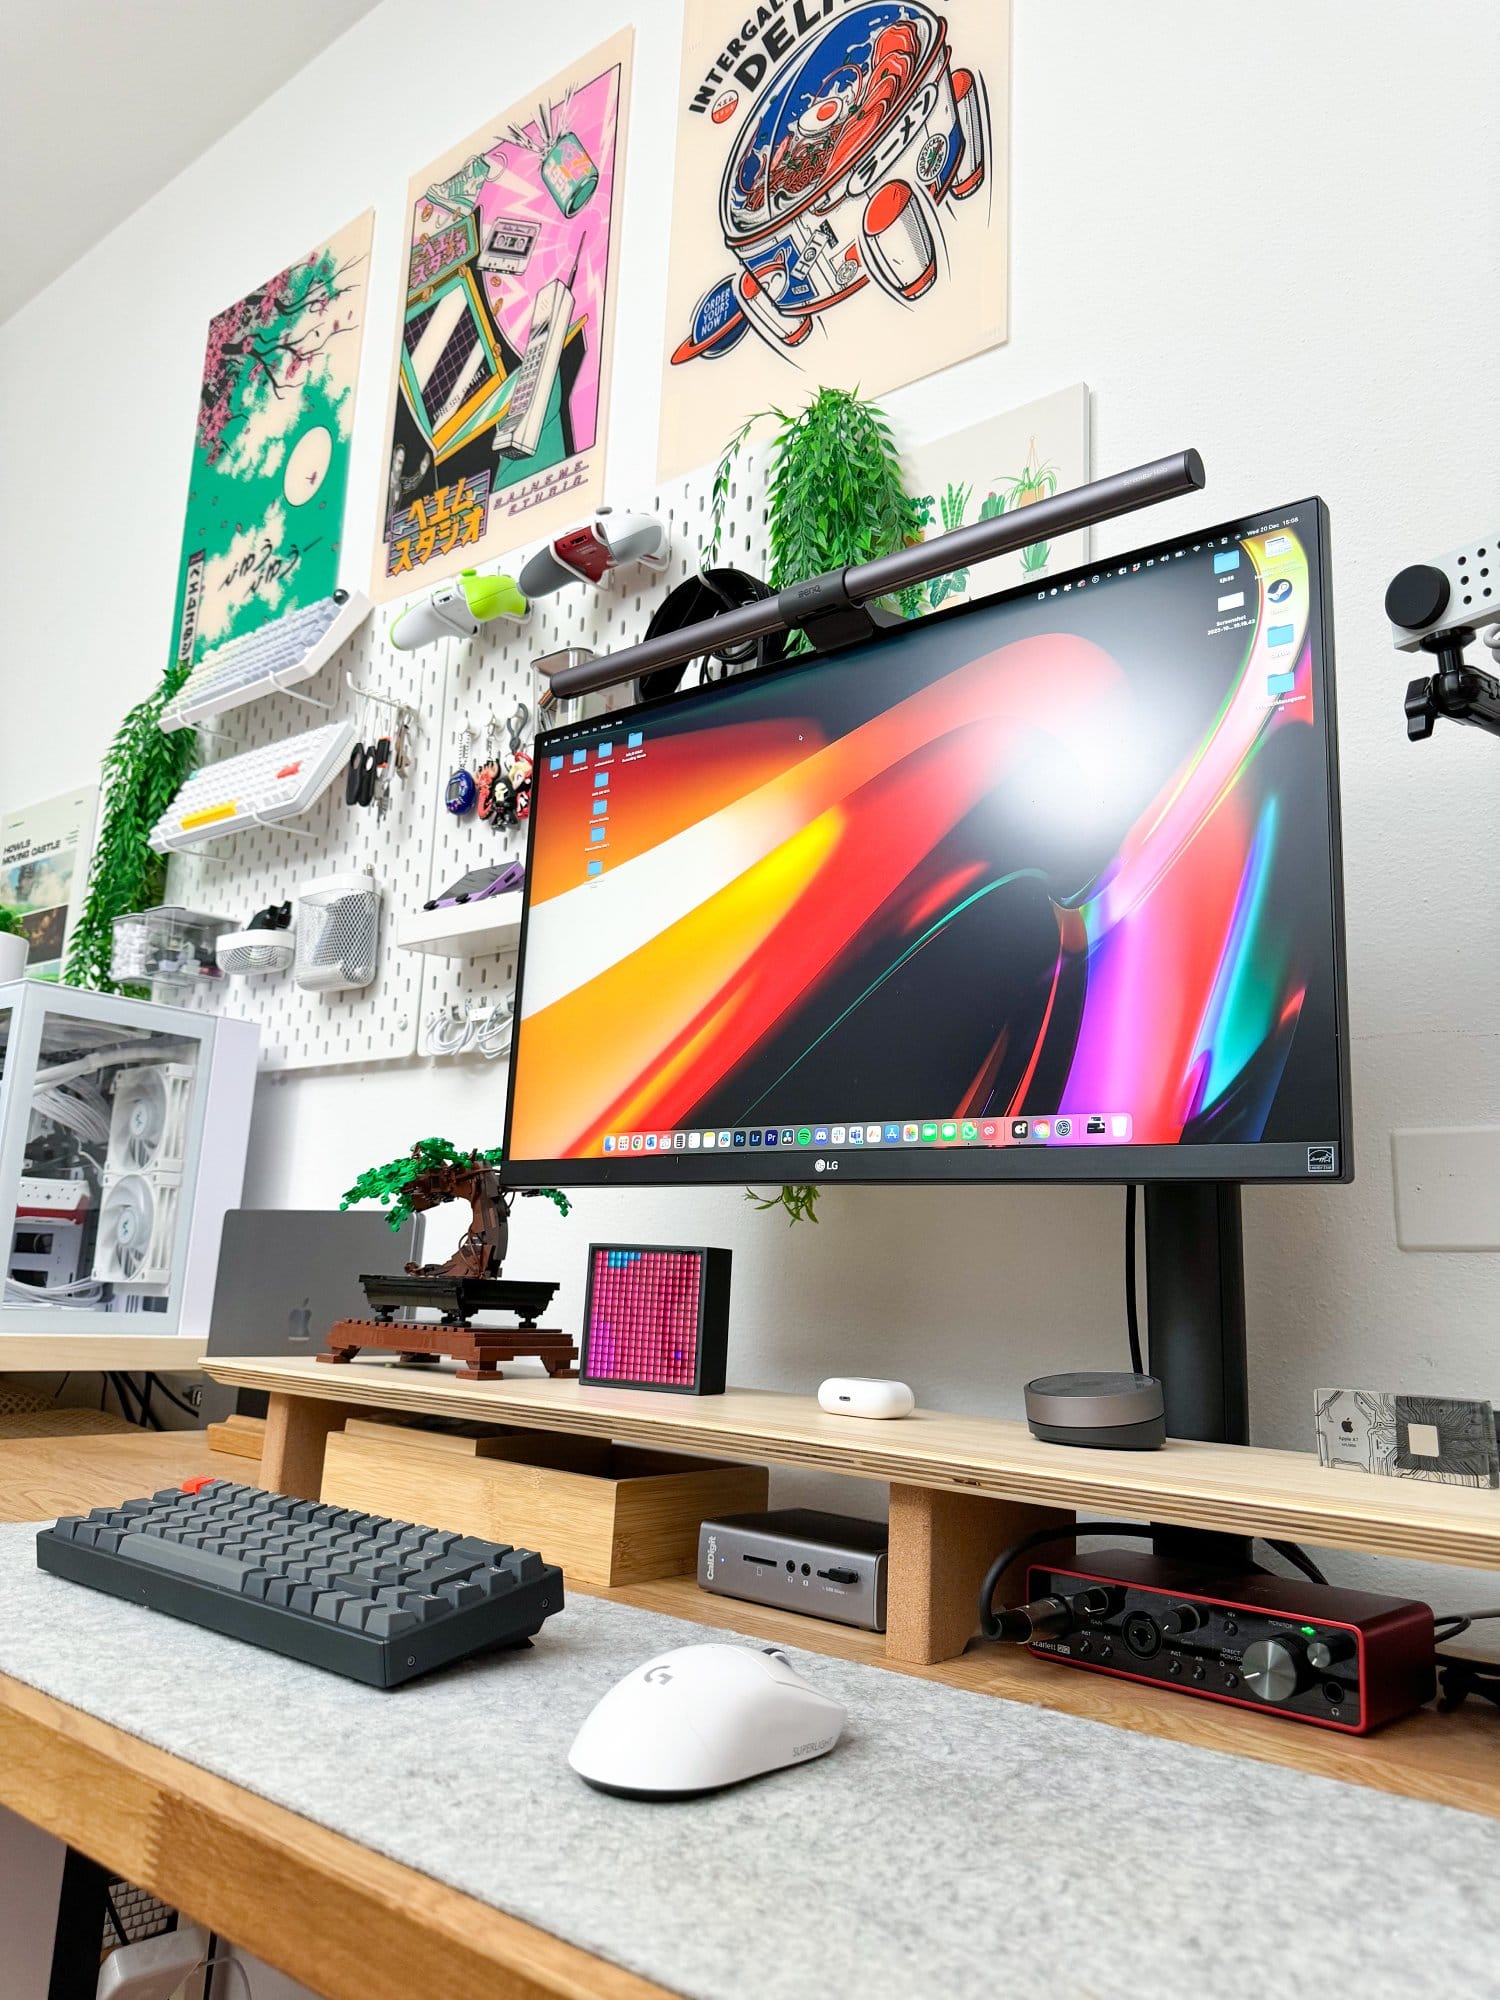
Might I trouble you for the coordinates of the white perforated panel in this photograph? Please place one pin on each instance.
(242, 874)
(493, 672)
(419, 848)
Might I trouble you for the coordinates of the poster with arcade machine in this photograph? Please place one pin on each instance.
(500, 387)
(841, 204)
(265, 513)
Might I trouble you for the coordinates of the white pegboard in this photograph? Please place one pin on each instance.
(492, 673)
(419, 848)
(239, 875)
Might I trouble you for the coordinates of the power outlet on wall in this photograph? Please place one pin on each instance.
(1447, 1188)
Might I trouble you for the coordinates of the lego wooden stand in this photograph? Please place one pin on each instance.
(478, 1349)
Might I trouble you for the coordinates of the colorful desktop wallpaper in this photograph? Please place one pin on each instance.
(1065, 854)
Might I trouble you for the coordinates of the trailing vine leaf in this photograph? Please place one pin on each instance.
(141, 774)
(800, 1203)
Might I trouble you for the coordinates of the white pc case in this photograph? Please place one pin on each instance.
(123, 1128)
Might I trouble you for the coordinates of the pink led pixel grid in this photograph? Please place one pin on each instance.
(643, 1316)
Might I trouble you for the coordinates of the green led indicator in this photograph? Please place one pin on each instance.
(1311, 1631)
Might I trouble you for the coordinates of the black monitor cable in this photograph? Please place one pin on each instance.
(1026, 1621)
(155, 1382)
(1456, 1622)
(1132, 1309)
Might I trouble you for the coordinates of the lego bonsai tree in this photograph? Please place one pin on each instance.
(434, 1172)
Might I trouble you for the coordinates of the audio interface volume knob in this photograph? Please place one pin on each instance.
(1274, 1668)
(1329, 1648)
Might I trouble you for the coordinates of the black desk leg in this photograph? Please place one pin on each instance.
(80, 1928)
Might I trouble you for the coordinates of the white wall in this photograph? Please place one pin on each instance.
(1269, 234)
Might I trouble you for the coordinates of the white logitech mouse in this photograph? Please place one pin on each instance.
(701, 1717)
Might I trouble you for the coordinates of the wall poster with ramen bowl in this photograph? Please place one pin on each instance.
(840, 210)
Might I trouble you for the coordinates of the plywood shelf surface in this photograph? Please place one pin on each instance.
(101, 1353)
(1234, 1489)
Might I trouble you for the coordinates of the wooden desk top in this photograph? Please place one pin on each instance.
(99, 1353)
(356, 1926)
(1238, 1489)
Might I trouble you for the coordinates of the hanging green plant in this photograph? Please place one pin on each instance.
(835, 495)
(141, 774)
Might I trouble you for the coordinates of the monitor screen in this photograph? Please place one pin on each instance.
(1046, 887)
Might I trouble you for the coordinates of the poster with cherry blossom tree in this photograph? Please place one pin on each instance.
(500, 380)
(265, 512)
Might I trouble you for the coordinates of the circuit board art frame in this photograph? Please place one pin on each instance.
(495, 434)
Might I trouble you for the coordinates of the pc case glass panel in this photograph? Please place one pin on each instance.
(100, 1125)
(1043, 888)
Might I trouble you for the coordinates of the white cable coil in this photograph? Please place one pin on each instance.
(484, 1025)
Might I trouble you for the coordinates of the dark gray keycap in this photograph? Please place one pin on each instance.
(462, 1595)
(525, 1565)
(181, 1559)
(480, 1551)
(384, 1622)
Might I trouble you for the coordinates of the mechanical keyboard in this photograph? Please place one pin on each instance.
(376, 1600)
(267, 660)
(254, 788)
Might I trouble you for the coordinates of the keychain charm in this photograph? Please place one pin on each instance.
(462, 793)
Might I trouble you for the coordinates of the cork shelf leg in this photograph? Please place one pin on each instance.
(297, 1427)
(941, 1545)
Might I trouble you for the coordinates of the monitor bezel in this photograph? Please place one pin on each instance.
(1245, 1162)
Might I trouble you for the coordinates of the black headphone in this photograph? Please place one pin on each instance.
(703, 596)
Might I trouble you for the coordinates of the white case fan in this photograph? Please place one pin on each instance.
(137, 1222)
(148, 1119)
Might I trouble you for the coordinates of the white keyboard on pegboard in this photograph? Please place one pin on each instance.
(257, 788)
(267, 661)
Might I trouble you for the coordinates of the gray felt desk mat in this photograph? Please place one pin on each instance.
(946, 1832)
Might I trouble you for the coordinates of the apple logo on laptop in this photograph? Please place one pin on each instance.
(299, 1322)
(1347, 1426)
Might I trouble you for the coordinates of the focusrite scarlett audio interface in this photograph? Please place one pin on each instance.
(1342, 1659)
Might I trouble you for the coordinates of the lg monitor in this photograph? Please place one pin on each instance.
(1041, 888)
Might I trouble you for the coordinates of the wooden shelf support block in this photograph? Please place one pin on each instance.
(297, 1428)
(941, 1544)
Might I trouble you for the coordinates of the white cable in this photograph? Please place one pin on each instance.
(213, 1963)
(447, 1033)
(493, 1029)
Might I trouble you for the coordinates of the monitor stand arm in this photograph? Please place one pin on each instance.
(1195, 1310)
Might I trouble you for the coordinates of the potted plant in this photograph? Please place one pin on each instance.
(14, 946)
(835, 496)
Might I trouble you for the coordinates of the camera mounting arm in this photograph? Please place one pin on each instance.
(1439, 609)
